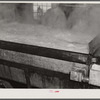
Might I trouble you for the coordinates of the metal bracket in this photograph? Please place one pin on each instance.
(94, 76)
(79, 74)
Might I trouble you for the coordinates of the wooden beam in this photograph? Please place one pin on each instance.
(45, 52)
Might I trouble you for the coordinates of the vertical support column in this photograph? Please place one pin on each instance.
(27, 76)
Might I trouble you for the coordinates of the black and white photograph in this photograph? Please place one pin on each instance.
(50, 45)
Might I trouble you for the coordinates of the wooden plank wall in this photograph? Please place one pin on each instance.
(39, 78)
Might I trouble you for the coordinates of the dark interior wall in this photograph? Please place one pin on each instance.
(24, 12)
(16, 12)
(67, 8)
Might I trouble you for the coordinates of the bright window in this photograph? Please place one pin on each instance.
(40, 8)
